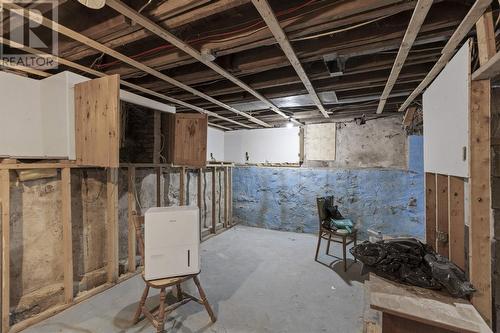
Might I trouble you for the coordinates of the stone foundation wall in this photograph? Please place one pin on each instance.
(373, 195)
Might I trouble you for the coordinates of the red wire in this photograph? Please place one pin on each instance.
(197, 40)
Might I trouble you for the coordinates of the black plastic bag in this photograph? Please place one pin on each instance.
(409, 261)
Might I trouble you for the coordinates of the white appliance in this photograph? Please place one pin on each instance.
(171, 242)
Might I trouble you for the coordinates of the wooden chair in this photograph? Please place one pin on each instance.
(331, 235)
(157, 316)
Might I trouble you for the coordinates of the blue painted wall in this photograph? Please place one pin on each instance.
(388, 200)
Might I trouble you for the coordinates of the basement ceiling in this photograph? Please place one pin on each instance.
(355, 40)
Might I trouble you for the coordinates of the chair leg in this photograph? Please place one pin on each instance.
(179, 292)
(141, 304)
(204, 299)
(328, 246)
(317, 247)
(161, 313)
(344, 252)
(355, 242)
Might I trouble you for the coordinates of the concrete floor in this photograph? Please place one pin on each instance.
(257, 280)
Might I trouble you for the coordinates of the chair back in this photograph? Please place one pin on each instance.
(322, 204)
(139, 235)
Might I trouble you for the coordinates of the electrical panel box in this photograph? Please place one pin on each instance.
(171, 242)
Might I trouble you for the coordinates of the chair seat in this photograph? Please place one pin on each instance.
(334, 233)
(162, 283)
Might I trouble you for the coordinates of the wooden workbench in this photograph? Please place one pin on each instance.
(413, 310)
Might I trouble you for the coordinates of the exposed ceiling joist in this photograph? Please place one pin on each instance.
(416, 22)
(36, 17)
(448, 51)
(8, 64)
(267, 14)
(100, 74)
(123, 9)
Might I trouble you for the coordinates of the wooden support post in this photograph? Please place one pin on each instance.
(5, 197)
(480, 236)
(157, 137)
(158, 187)
(131, 228)
(480, 200)
(231, 196)
(200, 197)
(456, 221)
(442, 215)
(67, 234)
(112, 219)
(214, 199)
(430, 209)
(226, 197)
(182, 186)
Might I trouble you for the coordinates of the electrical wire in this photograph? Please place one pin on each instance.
(232, 32)
(343, 29)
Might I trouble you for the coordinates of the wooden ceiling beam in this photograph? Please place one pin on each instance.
(348, 44)
(127, 33)
(85, 40)
(162, 33)
(7, 64)
(267, 14)
(324, 17)
(448, 51)
(416, 22)
(101, 74)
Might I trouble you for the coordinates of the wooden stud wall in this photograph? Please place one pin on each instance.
(444, 216)
(112, 232)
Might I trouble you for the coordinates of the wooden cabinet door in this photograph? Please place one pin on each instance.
(97, 115)
(188, 139)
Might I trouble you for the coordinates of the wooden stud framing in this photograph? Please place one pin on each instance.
(200, 197)
(112, 227)
(157, 137)
(5, 197)
(214, 201)
(67, 233)
(226, 197)
(442, 215)
(230, 196)
(416, 22)
(430, 209)
(480, 236)
(182, 186)
(158, 187)
(456, 221)
(267, 14)
(480, 200)
(131, 228)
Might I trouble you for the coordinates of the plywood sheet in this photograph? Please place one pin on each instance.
(424, 306)
(320, 140)
(97, 109)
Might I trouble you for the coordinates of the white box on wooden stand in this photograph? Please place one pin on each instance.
(171, 242)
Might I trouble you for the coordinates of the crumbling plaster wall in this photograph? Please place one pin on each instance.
(384, 192)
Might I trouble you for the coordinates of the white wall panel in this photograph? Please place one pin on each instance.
(446, 118)
(269, 145)
(20, 116)
(215, 144)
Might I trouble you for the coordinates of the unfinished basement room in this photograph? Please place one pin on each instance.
(249, 166)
